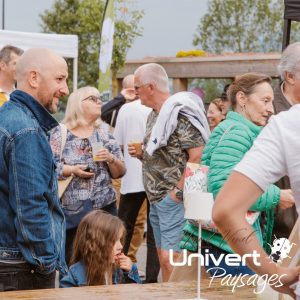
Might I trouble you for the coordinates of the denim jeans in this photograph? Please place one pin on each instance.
(23, 277)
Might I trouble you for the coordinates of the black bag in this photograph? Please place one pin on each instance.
(76, 213)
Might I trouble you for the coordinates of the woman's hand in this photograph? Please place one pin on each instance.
(125, 262)
(104, 155)
(78, 170)
(286, 199)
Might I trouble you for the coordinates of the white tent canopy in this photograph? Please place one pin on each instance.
(63, 44)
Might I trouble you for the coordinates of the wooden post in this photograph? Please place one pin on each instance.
(119, 87)
(180, 84)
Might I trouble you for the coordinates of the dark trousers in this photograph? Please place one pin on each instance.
(23, 277)
(129, 208)
(71, 233)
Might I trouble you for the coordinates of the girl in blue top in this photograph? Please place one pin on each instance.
(97, 257)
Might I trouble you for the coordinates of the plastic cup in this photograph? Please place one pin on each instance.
(138, 147)
(96, 147)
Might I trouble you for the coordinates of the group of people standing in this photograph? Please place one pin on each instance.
(170, 130)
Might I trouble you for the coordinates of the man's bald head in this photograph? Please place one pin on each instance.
(42, 73)
(128, 82)
(37, 59)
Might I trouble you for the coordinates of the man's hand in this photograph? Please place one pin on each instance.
(286, 199)
(129, 94)
(173, 196)
(132, 151)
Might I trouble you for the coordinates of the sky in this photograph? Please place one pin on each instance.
(169, 25)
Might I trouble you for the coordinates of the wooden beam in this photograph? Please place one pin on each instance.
(180, 84)
(226, 66)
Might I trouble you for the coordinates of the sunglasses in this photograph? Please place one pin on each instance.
(95, 99)
(136, 88)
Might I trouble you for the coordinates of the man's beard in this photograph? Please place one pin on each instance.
(50, 107)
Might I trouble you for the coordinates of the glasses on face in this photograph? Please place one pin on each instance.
(136, 88)
(95, 99)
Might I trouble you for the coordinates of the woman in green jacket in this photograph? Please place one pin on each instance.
(251, 95)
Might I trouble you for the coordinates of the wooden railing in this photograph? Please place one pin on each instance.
(223, 66)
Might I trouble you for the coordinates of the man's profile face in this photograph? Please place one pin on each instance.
(142, 91)
(53, 85)
(10, 67)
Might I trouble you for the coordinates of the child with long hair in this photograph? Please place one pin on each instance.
(97, 257)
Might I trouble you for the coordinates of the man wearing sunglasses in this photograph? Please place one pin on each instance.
(163, 169)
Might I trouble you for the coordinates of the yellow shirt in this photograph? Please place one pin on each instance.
(3, 97)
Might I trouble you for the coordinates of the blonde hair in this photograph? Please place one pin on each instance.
(74, 116)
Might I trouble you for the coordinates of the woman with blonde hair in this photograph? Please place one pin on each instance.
(92, 176)
(97, 257)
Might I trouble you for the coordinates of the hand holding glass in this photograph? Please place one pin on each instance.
(135, 148)
(96, 148)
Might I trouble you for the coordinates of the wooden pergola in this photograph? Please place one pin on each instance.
(223, 66)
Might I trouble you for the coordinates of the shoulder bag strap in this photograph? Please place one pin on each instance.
(64, 131)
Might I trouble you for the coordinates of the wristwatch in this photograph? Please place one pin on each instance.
(178, 193)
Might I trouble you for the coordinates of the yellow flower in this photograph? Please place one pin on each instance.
(190, 53)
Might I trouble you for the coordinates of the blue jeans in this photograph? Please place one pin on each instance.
(24, 277)
(222, 268)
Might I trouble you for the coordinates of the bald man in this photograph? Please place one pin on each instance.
(110, 110)
(32, 223)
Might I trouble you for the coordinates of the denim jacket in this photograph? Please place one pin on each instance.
(32, 223)
(77, 276)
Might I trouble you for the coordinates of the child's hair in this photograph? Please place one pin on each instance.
(95, 238)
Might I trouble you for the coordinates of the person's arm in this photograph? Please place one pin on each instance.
(29, 183)
(237, 195)
(194, 156)
(130, 270)
(68, 281)
(113, 156)
(263, 164)
(62, 169)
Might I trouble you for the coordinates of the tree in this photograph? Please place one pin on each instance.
(83, 17)
(241, 26)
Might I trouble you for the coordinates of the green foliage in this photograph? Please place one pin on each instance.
(213, 87)
(84, 17)
(241, 26)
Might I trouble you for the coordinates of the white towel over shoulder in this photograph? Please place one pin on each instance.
(186, 103)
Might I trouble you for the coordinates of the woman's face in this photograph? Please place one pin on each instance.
(259, 105)
(214, 116)
(91, 107)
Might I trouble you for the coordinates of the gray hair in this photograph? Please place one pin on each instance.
(290, 59)
(153, 73)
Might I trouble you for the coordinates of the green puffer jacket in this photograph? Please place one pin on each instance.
(221, 154)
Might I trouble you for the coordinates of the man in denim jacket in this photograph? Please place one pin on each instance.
(32, 223)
